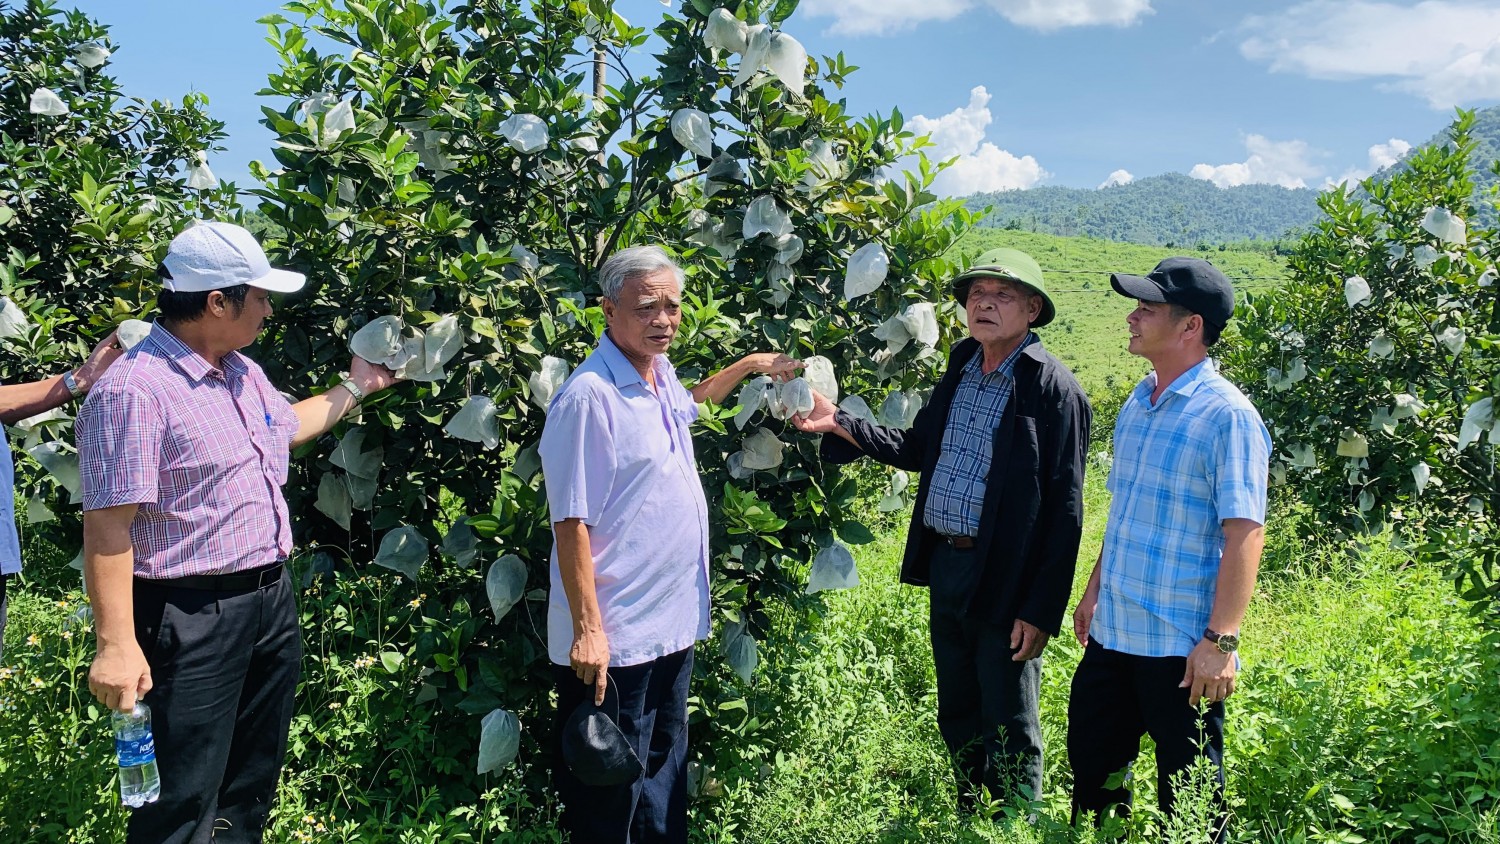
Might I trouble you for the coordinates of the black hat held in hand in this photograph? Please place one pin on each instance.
(594, 747)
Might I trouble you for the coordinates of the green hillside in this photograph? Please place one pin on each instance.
(1168, 209)
(1089, 333)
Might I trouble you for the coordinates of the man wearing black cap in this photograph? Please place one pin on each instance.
(1160, 618)
(997, 518)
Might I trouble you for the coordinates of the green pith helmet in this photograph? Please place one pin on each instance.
(1010, 264)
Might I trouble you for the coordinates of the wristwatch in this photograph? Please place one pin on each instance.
(72, 384)
(1227, 643)
(354, 390)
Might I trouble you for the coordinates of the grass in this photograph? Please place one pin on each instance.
(1365, 713)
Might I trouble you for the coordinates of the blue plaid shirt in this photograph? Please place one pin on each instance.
(957, 495)
(1181, 467)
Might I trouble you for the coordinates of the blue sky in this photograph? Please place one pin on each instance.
(1025, 92)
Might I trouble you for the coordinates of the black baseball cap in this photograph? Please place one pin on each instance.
(1193, 283)
(595, 748)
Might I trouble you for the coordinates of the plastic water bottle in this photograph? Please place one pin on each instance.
(139, 781)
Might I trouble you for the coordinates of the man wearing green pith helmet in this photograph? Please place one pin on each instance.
(997, 519)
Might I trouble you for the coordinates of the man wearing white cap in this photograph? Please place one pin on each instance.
(183, 448)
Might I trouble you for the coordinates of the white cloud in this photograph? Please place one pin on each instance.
(883, 17)
(1445, 51)
(1119, 177)
(1284, 163)
(981, 166)
(1381, 157)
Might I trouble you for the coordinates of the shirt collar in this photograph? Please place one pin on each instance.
(621, 370)
(1007, 367)
(1184, 385)
(189, 362)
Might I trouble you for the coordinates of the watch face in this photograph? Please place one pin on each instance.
(1228, 642)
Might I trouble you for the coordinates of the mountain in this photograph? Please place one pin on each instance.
(1171, 209)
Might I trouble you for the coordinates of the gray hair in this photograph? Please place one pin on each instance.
(635, 261)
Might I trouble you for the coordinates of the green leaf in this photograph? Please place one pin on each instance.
(855, 533)
(391, 661)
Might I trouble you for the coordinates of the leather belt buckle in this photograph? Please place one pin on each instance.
(962, 543)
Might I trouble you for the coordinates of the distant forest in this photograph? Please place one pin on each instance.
(1168, 210)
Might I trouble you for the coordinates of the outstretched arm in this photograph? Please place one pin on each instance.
(19, 401)
(719, 385)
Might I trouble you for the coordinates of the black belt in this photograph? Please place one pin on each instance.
(240, 581)
(962, 543)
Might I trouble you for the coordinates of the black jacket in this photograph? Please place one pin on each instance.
(1032, 517)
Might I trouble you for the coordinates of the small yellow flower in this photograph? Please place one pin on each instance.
(335, 705)
(32, 640)
(37, 683)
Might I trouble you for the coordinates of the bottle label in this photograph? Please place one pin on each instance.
(133, 752)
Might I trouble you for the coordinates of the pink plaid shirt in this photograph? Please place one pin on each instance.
(202, 450)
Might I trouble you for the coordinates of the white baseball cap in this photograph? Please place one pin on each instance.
(213, 255)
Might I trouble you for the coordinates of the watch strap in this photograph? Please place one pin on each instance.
(71, 382)
(354, 390)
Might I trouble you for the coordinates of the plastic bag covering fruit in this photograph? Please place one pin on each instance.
(351, 455)
(546, 381)
(61, 464)
(867, 270)
(46, 102)
(761, 451)
(200, 177)
(787, 60)
(460, 543)
(441, 343)
(764, 216)
(898, 410)
(694, 131)
(477, 421)
(1302, 456)
(404, 550)
(921, 323)
(724, 32)
(722, 171)
(91, 54)
(1407, 406)
(894, 498)
(1424, 256)
(791, 398)
(858, 408)
(379, 341)
(1382, 347)
(13, 321)
(740, 651)
(788, 249)
(735, 463)
(1446, 226)
(429, 144)
(526, 132)
(832, 568)
(1353, 444)
(779, 278)
(1420, 475)
(37, 511)
(757, 40)
(823, 163)
(1480, 417)
(414, 349)
(505, 584)
(1356, 291)
(525, 258)
(716, 236)
(334, 500)
(338, 120)
(818, 371)
(132, 331)
(1452, 339)
(499, 740)
(752, 399)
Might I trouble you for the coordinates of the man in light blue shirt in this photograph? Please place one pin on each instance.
(1161, 615)
(22, 401)
(630, 582)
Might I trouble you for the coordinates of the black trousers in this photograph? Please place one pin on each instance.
(224, 668)
(988, 704)
(653, 716)
(1116, 699)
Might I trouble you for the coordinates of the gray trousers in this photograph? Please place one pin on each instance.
(987, 703)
